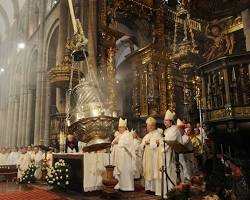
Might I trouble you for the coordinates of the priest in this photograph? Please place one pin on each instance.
(71, 145)
(151, 164)
(30, 150)
(23, 162)
(37, 159)
(171, 133)
(123, 158)
(13, 157)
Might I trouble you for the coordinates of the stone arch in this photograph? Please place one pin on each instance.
(135, 37)
(15, 5)
(51, 45)
(51, 59)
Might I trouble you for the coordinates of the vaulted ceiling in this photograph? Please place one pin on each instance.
(9, 11)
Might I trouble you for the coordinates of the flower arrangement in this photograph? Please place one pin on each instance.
(58, 176)
(28, 175)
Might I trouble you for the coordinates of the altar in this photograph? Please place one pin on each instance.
(86, 169)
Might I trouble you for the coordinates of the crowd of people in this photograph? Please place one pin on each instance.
(133, 157)
(145, 158)
(23, 157)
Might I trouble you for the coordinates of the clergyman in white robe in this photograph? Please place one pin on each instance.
(124, 158)
(151, 165)
(170, 134)
(37, 159)
(13, 157)
(23, 162)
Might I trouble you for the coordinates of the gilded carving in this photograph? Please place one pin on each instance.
(111, 73)
(59, 75)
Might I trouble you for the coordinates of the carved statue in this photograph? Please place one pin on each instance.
(221, 43)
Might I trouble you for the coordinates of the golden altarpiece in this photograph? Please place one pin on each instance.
(179, 63)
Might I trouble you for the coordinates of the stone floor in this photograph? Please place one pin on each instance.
(9, 189)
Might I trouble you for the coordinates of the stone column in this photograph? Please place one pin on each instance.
(29, 117)
(9, 142)
(47, 113)
(8, 123)
(15, 122)
(12, 134)
(39, 76)
(20, 119)
(37, 109)
(9, 111)
(62, 36)
(25, 102)
(42, 107)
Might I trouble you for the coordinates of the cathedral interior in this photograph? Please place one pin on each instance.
(191, 57)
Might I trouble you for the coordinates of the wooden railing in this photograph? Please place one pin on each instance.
(9, 172)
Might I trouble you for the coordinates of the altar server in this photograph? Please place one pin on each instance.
(123, 157)
(151, 164)
(23, 162)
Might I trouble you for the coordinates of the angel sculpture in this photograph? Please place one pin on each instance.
(222, 43)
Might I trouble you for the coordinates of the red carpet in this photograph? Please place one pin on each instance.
(34, 194)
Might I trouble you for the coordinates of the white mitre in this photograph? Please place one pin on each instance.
(122, 123)
(151, 120)
(180, 123)
(169, 115)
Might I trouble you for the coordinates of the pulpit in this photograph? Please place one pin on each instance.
(86, 169)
